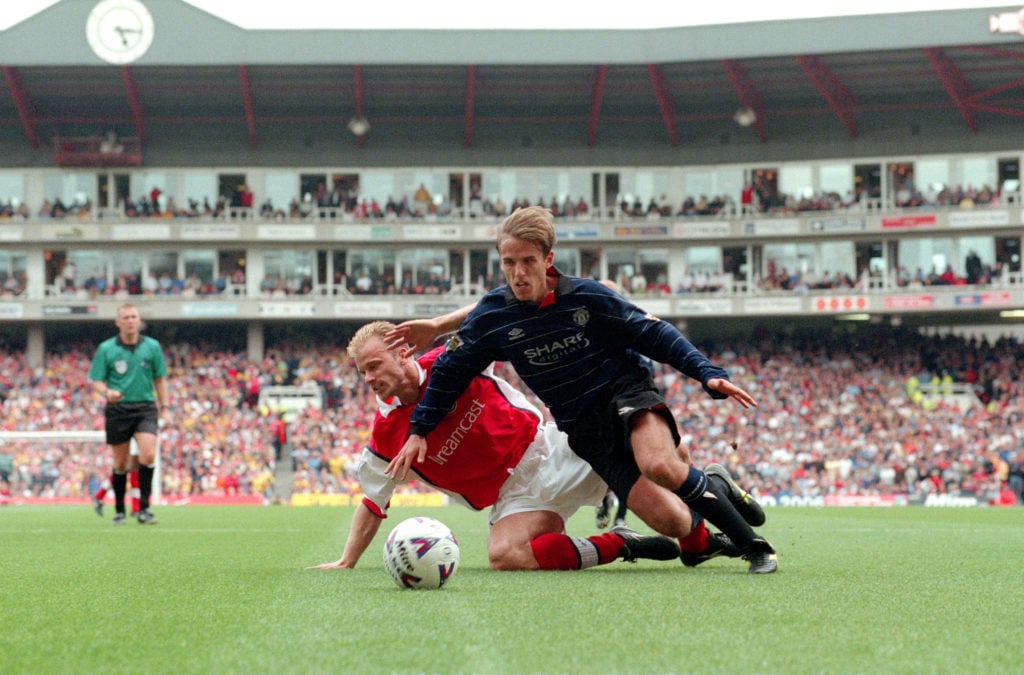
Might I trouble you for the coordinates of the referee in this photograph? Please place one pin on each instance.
(125, 371)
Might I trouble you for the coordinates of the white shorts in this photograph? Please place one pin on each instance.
(549, 477)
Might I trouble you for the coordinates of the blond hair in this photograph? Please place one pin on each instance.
(533, 224)
(373, 329)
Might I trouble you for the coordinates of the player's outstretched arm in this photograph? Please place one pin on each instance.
(723, 386)
(422, 333)
(364, 528)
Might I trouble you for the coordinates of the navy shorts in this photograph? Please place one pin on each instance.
(602, 435)
(124, 420)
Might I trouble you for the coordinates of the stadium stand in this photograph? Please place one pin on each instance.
(836, 419)
(877, 182)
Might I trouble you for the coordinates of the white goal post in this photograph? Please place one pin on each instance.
(80, 436)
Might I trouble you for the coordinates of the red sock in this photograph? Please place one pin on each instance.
(102, 492)
(698, 539)
(556, 551)
(133, 480)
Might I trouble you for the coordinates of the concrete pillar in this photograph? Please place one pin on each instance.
(255, 341)
(35, 345)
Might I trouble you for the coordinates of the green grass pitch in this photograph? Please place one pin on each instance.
(225, 590)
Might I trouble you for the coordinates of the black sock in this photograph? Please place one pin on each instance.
(145, 486)
(711, 500)
(119, 482)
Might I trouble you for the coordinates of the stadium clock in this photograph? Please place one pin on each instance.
(119, 31)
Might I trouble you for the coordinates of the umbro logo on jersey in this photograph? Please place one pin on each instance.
(515, 334)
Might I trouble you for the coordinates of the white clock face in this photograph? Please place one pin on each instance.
(119, 31)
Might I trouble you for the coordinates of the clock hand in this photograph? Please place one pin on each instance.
(123, 32)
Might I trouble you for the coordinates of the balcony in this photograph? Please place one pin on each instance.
(97, 151)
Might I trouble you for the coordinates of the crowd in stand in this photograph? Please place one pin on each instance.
(835, 417)
(776, 278)
(756, 197)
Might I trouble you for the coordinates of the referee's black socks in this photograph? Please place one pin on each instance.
(119, 481)
(145, 486)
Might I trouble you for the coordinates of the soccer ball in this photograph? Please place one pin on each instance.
(421, 553)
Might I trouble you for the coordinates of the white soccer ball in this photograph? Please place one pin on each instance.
(421, 553)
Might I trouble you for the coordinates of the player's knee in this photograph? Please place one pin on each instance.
(504, 556)
(665, 469)
(502, 561)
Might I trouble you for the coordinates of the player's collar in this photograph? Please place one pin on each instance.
(563, 286)
(130, 347)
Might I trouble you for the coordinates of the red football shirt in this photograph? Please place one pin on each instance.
(470, 454)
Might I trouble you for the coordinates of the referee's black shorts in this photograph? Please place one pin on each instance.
(602, 435)
(124, 420)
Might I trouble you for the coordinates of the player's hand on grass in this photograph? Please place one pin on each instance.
(336, 565)
(723, 386)
(414, 450)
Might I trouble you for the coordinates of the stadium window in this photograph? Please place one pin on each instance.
(67, 186)
(13, 265)
(163, 263)
(1009, 175)
(797, 181)
(978, 173)
(201, 262)
(792, 259)
(127, 268)
(590, 263)
(230, 186)
(705, 259)
(766, 185)
(200, 188)
(288, 269)
(930, 256)
(379, 185)
(901, 183)
(867, 179)
(931, 176)
(423, 270)
(369, 270)
(279, 188)
(869, 255)
(479, 276)
(840, 257)
(346, 190)
(12, 189)
(1008, 253)
(622, 267)
(231, 264)
(567, 260)
(312, 184)
(339, 270)
(734, 261)
(456, 184)
(836, 179)
(113, 190)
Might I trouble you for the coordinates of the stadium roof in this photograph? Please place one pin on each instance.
(958, 74)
